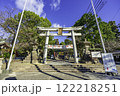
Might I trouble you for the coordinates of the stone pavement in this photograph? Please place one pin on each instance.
(58, 76)
(57, 71)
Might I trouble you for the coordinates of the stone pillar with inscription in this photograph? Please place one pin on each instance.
(34, 57)
(1, 59)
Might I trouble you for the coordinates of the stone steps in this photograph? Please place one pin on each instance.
(90, 68)
(54, 68)
(62, 68)
(58, 68)
(48, 68)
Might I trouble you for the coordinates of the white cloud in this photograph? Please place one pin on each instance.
(32, 5)
(55, 5)
(43, 15)
(56, 25)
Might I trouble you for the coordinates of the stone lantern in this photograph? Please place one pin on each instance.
(87, 46)
(33, 56)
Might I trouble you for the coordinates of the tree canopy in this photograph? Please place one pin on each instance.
(90, 31)
(62, 43)
(66, 42)
(28, 35)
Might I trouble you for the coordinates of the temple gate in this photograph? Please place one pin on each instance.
(60, 33)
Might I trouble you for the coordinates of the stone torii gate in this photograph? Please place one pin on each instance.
(59, 30)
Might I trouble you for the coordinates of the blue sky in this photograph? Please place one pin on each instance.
(64, 12)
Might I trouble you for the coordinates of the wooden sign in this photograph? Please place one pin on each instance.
(60, 31)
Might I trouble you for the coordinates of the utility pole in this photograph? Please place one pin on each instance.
(98, 27)
(16, 36)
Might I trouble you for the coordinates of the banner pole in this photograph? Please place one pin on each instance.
(16, 36)
(98, 27)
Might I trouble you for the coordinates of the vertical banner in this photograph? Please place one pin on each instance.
(109, 63)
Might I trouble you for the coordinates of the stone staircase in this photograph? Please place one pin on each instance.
(51, 68)
(90, 68)
(62, 68)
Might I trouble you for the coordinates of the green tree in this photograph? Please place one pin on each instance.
(89, 26)
(90, 31)
(28, 35)
(52, 40)
(67, 41)
(62, 43)
(112, 45)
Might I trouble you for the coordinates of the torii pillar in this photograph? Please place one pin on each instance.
(46, 47)
(74, 46)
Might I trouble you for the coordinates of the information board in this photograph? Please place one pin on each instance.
(109, 63)
(96, 54)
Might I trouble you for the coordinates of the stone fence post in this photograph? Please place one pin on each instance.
(1, 59)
